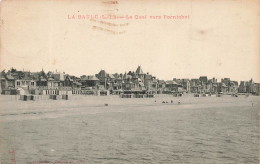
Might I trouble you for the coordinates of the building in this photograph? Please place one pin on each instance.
(161, 86)
(131, 82)
(106, 79)
(242, 87)
(89, 81)
(257, 86)
(186, 85)
(195, 86)
(117, 83)
(222, 87)
(27, 82)
(173, 86)
(140, 74)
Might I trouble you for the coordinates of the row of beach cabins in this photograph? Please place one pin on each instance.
(65, 96)
(36, 97)
(126, 94)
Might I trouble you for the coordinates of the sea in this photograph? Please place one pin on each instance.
(114, 130)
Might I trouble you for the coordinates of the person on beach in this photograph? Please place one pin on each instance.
(179, 102)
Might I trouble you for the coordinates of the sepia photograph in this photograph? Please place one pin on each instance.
(120, 81)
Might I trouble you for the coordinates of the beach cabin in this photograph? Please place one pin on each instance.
(150, 96)
(25, 97)
(219, 94)
(196, 95)
(104, 92)
(134, 94)
(9, 91)
(65, 97)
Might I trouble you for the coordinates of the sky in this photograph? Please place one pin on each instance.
(220, 39)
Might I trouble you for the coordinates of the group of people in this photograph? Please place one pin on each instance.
(179, 102)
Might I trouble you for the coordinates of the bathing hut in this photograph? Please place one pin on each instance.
(65, 97)
(9, 92)
(25, 97)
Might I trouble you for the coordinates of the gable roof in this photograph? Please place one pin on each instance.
(91, 77)
(43, 78)
(68, 77)
(111, 76)
(9, 77)
(171, 82)
(139, 70)
(161, 81)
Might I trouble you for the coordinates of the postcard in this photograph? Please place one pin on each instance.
(119, 81)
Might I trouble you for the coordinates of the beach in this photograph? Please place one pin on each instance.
(85, 130)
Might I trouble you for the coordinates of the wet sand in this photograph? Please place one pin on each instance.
(84, 130)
